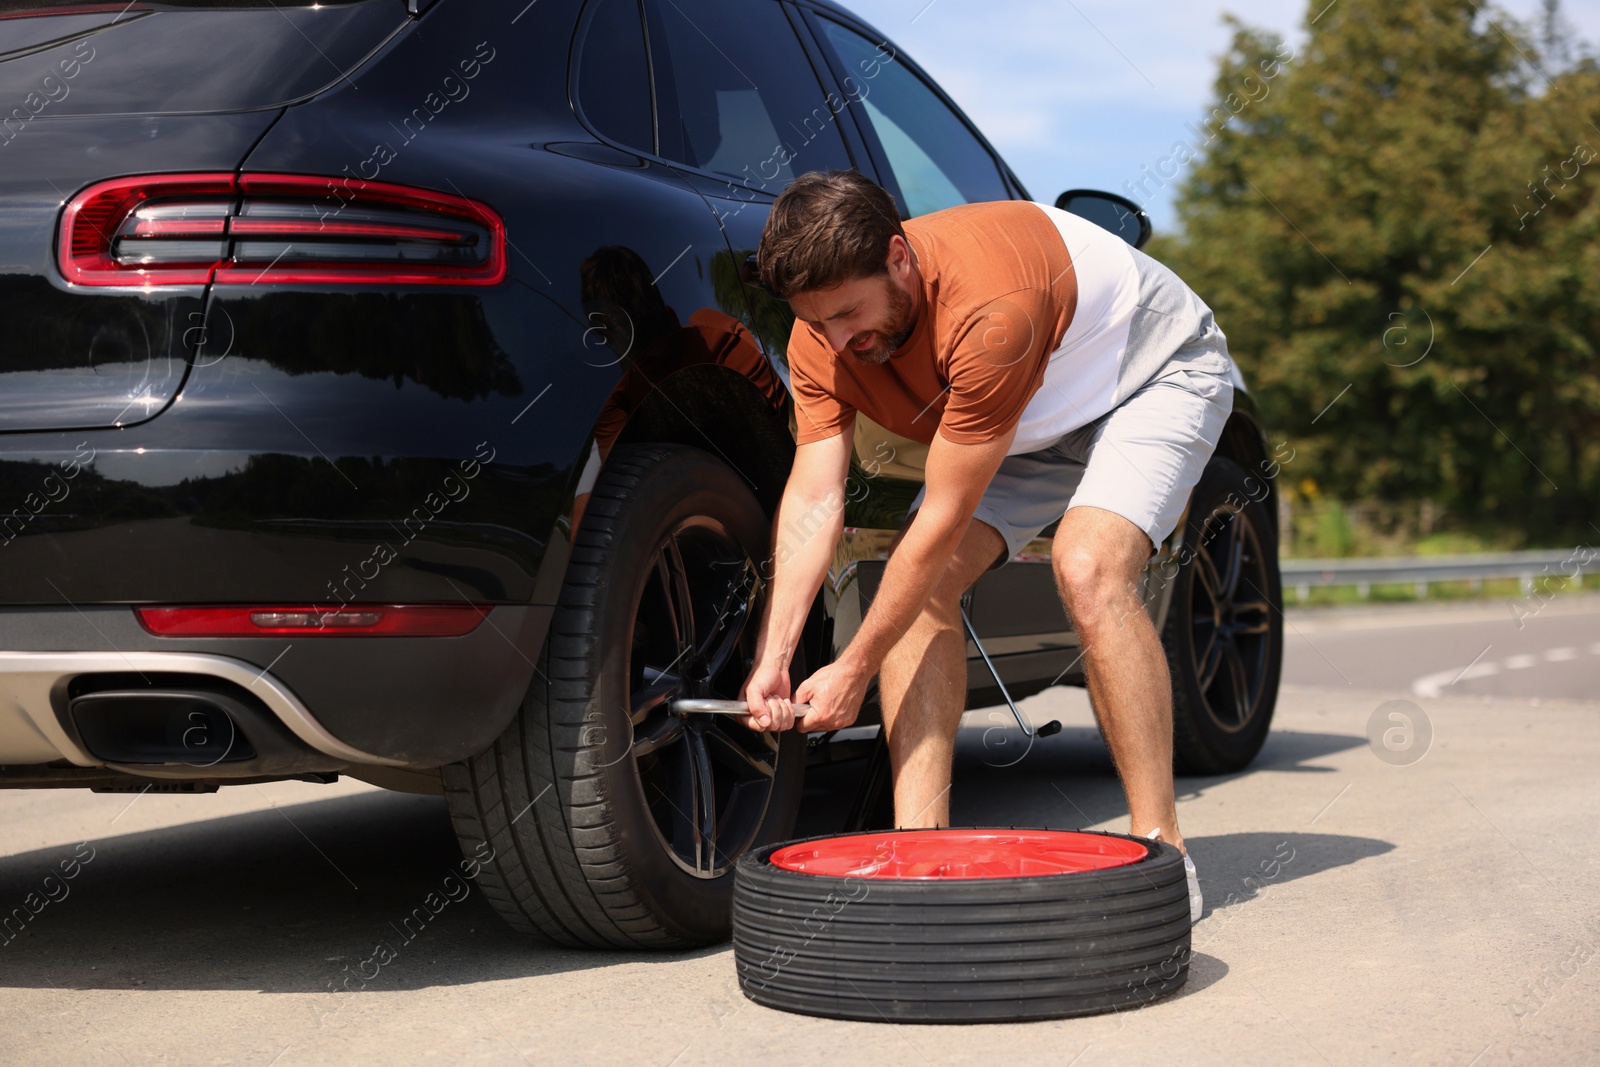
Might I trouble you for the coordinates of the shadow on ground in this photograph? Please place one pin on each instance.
(1236, 868)
(1067, 782)
(1004, 779)
(275, 901)
(295, 899)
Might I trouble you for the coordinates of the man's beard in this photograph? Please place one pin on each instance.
(896, 328)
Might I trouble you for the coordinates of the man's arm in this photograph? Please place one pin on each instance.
(804, 534)
(957, 476)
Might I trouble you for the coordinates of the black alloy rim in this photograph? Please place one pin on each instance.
(1232, 618)
(707, 779)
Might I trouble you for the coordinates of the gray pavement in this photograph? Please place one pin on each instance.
(1437, 906)
(1523, 647)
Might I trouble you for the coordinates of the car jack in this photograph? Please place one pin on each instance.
(1049, 728)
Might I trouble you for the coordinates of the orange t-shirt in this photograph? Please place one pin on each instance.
(998, 293)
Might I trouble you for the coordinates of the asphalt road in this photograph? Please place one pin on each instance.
(1521, 648)
(1438, 905)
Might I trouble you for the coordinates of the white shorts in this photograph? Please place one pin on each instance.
(1140, 460)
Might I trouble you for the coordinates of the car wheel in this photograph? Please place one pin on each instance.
(961, 925)
(1224, 627)
(609, 820)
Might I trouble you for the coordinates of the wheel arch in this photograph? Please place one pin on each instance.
(720, 411)
(1244, 440)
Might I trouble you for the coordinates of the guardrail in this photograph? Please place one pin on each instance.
(1419, 571)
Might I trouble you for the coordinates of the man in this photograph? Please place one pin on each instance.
(1055, 373)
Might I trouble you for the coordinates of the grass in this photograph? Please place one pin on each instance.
(1331, 529)
(1453, 543)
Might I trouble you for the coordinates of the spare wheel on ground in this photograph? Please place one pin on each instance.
(961, 925)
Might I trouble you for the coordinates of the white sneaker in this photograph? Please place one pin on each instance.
(1197, 903)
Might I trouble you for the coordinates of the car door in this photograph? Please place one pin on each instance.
(921, 148)
(665, 304)
(743, 113)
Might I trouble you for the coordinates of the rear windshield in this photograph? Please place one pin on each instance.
(180, 56)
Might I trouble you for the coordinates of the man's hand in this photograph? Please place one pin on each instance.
(835, 693)
(809, 520)
(767, 694)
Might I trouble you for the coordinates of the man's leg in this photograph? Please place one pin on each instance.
(1098, 556)
(922, 686)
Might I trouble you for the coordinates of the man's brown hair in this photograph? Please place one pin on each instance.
(827, 228)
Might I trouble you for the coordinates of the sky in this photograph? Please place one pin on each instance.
(1083, 93)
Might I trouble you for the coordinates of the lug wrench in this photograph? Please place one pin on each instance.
(706, 706)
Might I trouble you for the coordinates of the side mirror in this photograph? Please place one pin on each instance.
(1108, 211)
(750, 274)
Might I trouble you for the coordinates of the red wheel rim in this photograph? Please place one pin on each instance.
(927, 855)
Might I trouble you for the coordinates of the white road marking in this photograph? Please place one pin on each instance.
(1431, 685)
(1434, 685)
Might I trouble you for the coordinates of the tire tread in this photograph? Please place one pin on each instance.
(564, 874)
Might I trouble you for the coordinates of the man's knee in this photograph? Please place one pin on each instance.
(1098, 559)
(1095, 575)
(977, 552)
(980, 547)
(1087, 578)
(944, 605)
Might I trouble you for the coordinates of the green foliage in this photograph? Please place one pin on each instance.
(1334, 536)
(1400, 240)
(1452, 543)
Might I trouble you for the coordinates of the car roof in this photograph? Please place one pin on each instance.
(833, 7)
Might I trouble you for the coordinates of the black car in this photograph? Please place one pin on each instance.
(385, 390)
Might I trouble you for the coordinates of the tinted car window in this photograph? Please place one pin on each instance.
(192, 58)
(936, 160)
(614, 76)
(745, 101)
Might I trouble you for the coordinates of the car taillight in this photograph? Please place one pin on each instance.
(146, 231)
(314, 620)
(190, 229)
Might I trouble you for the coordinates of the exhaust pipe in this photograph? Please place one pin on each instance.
(198, 727)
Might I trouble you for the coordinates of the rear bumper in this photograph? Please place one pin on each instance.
(323, 703)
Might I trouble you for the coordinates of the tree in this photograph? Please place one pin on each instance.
(1554, 36)
(1399, 239)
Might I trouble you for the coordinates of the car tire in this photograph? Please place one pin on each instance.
(599, 818)
(885, 936)
(1224, 627)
